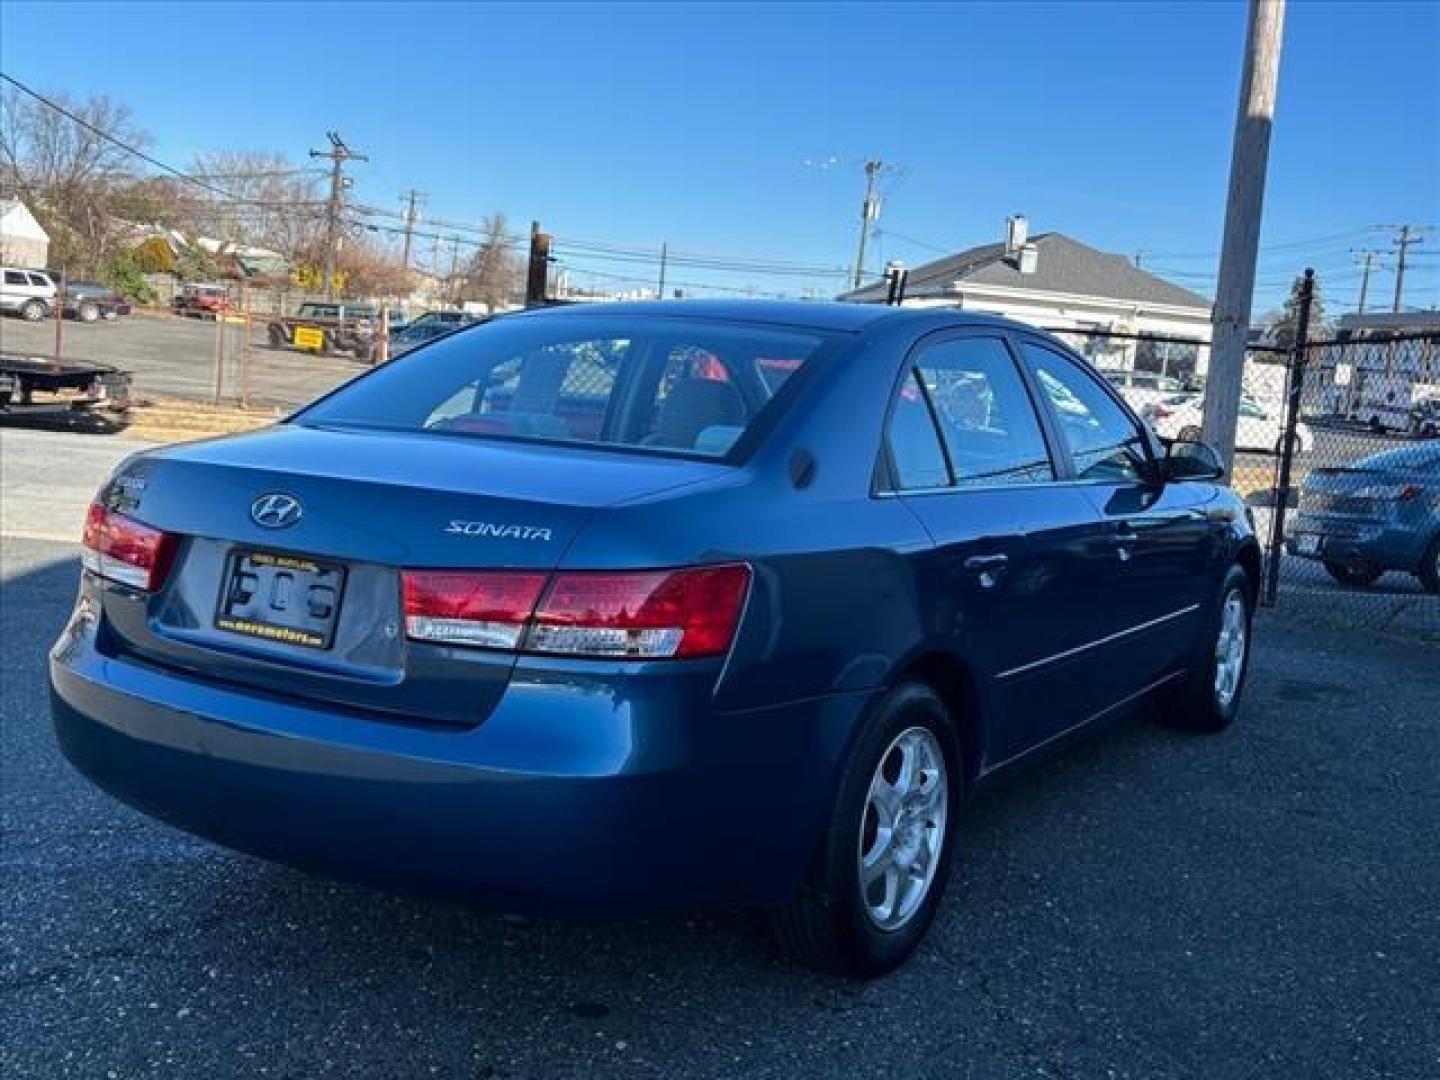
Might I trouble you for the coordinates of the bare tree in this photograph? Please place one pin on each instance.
(273, 203)
(494, 273)
(69, 172)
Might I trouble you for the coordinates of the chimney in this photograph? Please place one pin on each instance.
(1029, 258)
(1017, 231)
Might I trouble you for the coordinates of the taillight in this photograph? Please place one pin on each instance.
(663, 613)
(122, 549)
(651, 614)
(1160, 412)
(462, 607)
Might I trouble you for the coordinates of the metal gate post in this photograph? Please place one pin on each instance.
(1287, 449)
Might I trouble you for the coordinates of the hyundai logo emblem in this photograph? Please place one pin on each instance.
(275, 510)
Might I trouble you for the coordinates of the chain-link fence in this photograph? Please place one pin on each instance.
(1347, 501)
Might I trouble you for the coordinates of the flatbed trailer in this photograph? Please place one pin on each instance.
(94, 386)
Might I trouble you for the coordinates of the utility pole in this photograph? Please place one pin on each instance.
(1368, 255)
(869, 211)
(1409, 235)
(537, 278)
(1234, 293)
(664, 253)
(338, 154)
(411, 197)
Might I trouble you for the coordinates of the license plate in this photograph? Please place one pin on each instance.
(1307, 544)
(282, 598)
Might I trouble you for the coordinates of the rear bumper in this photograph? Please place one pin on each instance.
(567, 798)
(1347, 539)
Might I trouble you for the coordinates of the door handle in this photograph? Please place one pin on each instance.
(982, 563)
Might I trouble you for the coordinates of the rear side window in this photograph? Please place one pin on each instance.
(1103, 441)
(661, 383)
(14, 277)
(985, 414)
(916, 459)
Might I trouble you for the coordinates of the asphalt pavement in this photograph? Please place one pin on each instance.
(177, 358)
(1260, 903)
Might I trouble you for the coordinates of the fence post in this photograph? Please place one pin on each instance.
(59, 317)
(1287, 450)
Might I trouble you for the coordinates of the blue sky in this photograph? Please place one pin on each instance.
(693, 124)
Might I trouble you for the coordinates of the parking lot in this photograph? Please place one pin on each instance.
(172, 357)
(1151, 905)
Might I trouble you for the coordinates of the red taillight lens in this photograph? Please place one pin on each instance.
(652, 614)
(465, 607)
(1160, 412)
(122, 549)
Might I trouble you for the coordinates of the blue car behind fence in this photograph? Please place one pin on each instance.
(625, 608)
(1378, 514)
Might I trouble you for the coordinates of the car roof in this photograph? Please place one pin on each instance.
(813, 315)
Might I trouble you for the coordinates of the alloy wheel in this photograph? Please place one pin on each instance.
(902, 832)
(1230, 648)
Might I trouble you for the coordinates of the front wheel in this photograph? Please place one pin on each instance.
(33, 310)
(885, 855)
(1209, 696)
(88, 312)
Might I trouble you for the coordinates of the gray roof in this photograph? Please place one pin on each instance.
(1063, 266)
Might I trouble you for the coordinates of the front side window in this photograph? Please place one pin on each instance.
(666, 384)
(986, 418)
(1104, 442)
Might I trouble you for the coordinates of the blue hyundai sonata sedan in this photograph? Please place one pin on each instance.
(624, 608)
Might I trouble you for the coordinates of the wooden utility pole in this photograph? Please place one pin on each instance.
(1368, 257)
(664, 255)
(1408, 236)
(412, 197)
(338, 154)
(869, 211)
(1234, 292)
(538, 278)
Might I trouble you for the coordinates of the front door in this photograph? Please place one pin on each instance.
(1153, 546)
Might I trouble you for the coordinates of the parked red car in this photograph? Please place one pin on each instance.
(202, 301)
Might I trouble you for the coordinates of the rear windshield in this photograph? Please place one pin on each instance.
(659, 383)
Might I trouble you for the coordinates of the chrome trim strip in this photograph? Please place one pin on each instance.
(1096, 644)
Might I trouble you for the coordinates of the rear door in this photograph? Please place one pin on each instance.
(1003, 581)
(1152, 553)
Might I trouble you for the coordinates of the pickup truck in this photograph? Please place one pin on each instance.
(327, 328)
(202, 301)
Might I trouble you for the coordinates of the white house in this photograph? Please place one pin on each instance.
(1057, 283)
(22, 241)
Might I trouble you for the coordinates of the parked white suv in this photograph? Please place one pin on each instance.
(27, 293)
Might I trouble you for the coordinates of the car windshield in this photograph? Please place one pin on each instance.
(658, 383)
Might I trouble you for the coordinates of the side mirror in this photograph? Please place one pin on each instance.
(1192, 461)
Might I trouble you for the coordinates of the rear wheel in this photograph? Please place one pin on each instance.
(276, 337)
(88, 311)
(1357, 575)
(1430, 568)
(1209, 697)
(32, 310)
(885, 856)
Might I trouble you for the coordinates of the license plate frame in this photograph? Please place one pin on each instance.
(281, 598)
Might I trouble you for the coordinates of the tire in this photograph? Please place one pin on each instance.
(1201, 702)
(833, 924)
(276, 336)
(110, 314)
(88, 312)
(1189, 433)
(33, 310)
(1429, 574)
(1355, 575)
